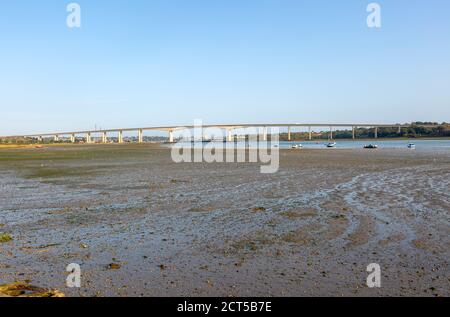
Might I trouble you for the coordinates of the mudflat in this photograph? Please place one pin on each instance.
(140, 225)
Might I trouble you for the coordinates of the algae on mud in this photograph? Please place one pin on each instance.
(24, 289)
(5, 237)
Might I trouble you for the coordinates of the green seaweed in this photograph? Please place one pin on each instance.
(59, 172)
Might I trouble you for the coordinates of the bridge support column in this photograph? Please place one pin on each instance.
(399, 130)
(310, 133)
(56, 138)
(376, 132)
(353, 133)
(40, 139)
(171, 136)
(140, 136)
(88, 138)
(331, 133)
(289, 133)
(72, 138)
(120, 139)
(104, 138)
(229, 135)
(264, 136)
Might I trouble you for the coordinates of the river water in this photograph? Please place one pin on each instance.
(422, 145)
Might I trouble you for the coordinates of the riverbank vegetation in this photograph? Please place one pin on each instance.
(415, 131)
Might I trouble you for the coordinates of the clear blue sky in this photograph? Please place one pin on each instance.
(160, 62)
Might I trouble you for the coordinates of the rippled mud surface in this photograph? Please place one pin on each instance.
(141, 225)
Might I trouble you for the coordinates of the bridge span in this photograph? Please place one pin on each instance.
(88, 134)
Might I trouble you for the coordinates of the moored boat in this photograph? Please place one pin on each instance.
(331, 144)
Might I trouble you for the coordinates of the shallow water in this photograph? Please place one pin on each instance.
(427, 145)
(421, 145)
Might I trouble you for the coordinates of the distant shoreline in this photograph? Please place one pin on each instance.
(372, 140)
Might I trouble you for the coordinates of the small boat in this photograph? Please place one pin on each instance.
(371, 146)
(411, 146)
(331, 145)
(297, 146)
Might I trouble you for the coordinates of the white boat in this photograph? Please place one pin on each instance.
(297, 146)
(371, 146)
(332, 144)
(411, 146)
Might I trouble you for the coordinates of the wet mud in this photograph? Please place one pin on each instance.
(140, 225)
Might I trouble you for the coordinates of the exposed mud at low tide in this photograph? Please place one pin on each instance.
(139, 224)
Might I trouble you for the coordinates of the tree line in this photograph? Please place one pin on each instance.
(416, 130)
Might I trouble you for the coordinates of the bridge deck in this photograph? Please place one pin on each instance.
(225, 126)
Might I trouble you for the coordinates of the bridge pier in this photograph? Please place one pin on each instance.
(72, 138)
(140, 136)
(104, 138)
(353, 133)
(399, 130)
(171, 136)
(120, 137)
(376, 132)
(331, 133)
(264, 136)
(88, 138)
(56, 138)
(289, 133)
(229, 135)
(310, 133)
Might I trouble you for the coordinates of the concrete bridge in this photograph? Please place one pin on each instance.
(88, 135)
